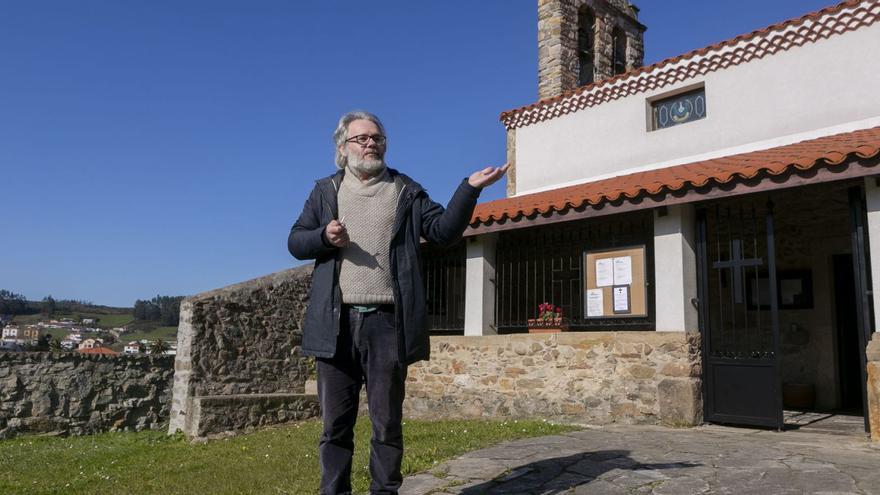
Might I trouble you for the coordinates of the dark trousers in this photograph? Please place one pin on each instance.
(366, 352)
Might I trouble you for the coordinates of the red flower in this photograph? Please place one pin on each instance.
(547, 311)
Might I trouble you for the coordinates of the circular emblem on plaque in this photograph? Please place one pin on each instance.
(681, 111)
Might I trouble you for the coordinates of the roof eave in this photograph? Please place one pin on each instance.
(854, 167)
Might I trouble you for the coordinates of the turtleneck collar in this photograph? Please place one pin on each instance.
(367, 187)
(351, 174)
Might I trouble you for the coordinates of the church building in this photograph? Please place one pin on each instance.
(727, 197)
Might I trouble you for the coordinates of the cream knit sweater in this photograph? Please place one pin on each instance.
(368, 209)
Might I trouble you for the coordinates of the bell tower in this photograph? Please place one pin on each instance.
(583, 41)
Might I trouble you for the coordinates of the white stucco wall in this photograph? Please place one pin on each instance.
(675, 273)
(479, 304)
(818, 89)
(872, 205)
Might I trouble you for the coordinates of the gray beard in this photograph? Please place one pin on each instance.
(366, 168)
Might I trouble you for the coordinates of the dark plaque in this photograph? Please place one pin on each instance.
(679, 109)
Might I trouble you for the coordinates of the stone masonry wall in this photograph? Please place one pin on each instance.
(238, 349)
(581, 377)
(873, 372)
(238, 367)
(558, 65)
(71, 393)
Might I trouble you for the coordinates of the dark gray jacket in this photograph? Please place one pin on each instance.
(416, 217)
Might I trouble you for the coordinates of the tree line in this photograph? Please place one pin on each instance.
(164, 309)
(14, 304)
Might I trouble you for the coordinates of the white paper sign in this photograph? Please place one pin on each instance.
(623, 274)
(621, 299)
(605, 272)
(594, 302)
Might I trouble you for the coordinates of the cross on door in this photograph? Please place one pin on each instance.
(736, 264)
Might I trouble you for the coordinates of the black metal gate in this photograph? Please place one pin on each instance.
(861, 263)
(739, 314)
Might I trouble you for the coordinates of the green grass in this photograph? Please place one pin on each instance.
(105, 320)
(168, 334)
(27, 319)
(280, 460)
(112, 321)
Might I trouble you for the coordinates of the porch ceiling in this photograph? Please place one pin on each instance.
(655, 187)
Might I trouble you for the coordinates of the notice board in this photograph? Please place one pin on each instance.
(615, 283)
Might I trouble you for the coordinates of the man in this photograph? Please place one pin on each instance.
(366, 318)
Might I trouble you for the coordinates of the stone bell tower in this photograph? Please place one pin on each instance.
(583, 41)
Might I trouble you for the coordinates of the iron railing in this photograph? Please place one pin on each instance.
(443, 270)
(546, 264)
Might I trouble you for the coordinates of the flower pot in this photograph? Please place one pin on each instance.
(547, 325)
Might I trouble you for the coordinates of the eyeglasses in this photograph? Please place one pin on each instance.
(363, 139)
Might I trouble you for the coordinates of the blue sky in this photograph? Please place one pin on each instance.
(165, 147)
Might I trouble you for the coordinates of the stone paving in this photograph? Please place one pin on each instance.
(623, 459)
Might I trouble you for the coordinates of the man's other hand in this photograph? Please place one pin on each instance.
(336, 233)
(487, 176)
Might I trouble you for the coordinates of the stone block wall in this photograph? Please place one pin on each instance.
(75, 394)
(220, 414)
(558, 65)
(580, 377)
(236, 346)
(873, 360)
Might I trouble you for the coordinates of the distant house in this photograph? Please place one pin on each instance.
(30, 335)
(89, 344)
(68, 344)
(31, 332)
(133, 348)
(11, 333)
(88, 321)
(76, 337)
(98, 350)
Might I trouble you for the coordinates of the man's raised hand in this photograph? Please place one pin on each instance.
(487, 176)
(336, 233)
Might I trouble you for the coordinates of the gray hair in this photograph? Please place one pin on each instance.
(341, 132)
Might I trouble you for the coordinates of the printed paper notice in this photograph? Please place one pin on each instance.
(623, 271)
(605, 272)
(594, 302)
(621, 299)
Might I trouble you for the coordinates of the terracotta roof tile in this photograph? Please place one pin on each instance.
(838, 19)
(830, 150)
(98, 350)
